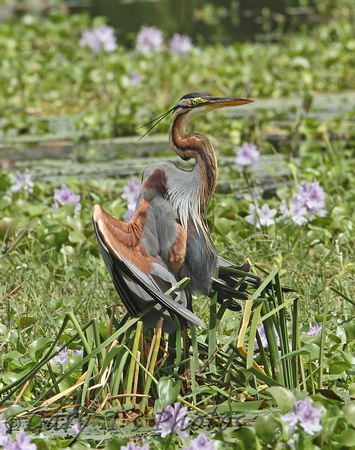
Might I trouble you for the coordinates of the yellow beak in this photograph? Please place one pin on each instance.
(223, 102)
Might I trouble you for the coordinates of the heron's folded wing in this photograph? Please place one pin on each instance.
(229, 280)
(138, 277)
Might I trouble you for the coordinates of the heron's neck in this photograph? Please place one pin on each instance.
(196, 146)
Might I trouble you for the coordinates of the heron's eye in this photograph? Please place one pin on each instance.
(194, 102)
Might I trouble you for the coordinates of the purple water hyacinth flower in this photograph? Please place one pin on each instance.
(314, 330)
(180, 44)
(7, 443)
(99, 38)
(3, 431)
(149, 39)
(266, 215)
(312, 196)
(23, 442)
(76, 427)
(247, 154)
(62, 357)
(133, 446)
(134, 78)
(304, 415)
(42, 378)
(262, 335)
(309, 417)
(22, 182)
(292, 442)
(295, 213)
(131, 194)
(129, 213)
(131, 190)
(173, 418)
(127, 216)
(200, 443)
(77, 352)
(65, 195)
(259, 217)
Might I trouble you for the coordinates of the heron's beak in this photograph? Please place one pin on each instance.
(222, 102)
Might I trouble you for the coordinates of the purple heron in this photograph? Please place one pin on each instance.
(168, 237)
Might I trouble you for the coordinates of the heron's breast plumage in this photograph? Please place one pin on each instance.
(181, 190)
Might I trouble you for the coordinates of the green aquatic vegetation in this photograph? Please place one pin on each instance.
(45, 71)
(75, 370)
(56, 336)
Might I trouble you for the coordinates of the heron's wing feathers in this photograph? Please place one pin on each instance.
(138, 266)
(230, 277)
(231, 285)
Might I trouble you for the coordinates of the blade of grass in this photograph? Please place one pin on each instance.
(178, 345)
(150, 372)
(194, 361)
(95, 351)
(252, 333)
(275, 362)
(88, 376)
(345, 297)
(263, 377)
(15, 244)
(150, 375)
(212, 332)
(13, 387)
(311, 373)
(117, 373)
(136, 375)
(248, 306)
(295, 343)
(132, 365)
(322, 339)
(100, 356)
(281, 326)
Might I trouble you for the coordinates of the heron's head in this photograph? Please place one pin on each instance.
(194, 104)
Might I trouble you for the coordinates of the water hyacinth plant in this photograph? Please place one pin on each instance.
(199, 443)
(130, 194)
(306, 205)
(65, 195)
(149, 39)
(3, 431)
(62, 357)
(261, 217)
(76, 427)
(180, 44)
(247, 154)
(133, 446)
(22, 182)
(101, 38)
(294, 213)
(314, 330)
(304, 417)
(172, 419)
(304, 208)
(263, 338)
(134, 78)
(22, 442)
